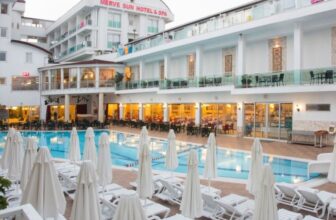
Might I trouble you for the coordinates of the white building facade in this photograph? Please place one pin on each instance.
(259, 70)
(23, 48)
(94, 27)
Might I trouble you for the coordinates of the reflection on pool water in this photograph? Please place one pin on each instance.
(231, 164)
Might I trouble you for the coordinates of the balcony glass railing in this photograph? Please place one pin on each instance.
(138, 84)
(196, 82)
(250, 13)
(73, 49)
(87, 84)
(320, 76)
(70, 85)
(55, 85)
(109, 83)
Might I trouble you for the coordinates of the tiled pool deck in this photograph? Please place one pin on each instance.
(123, 177)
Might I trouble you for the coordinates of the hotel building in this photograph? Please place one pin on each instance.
(262, 69)
(23, 49)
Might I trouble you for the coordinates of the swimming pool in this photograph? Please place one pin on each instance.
(231, 163)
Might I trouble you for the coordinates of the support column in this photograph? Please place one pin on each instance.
(165, 112)
(78, 78)
(240, 119)
(97, 77)
(101, 107)
(43, 109)
(49, 80)
(166, 66)
(62, 79)
(141, 70)
(140, 111)
(197, 113)
(121, 111)
(67, 108)
(297, 53)
(241, 55)
(198, 62)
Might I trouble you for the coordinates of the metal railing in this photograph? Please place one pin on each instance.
(87, 84)
(109, 83)
(250, 13)
(138, 84)
(197, 82)
(318, 76)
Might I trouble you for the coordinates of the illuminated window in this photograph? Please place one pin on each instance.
(20, 83)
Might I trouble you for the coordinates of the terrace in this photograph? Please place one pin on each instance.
(241, 15)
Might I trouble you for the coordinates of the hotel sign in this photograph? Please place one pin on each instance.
(134, 8)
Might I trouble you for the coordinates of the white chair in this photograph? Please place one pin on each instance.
(321, 165)
(315, 201)
(171, 193)
(175, 217)
(309, 217)
(289, 215)
(241, 211)
(332, 208)
(211, 209)
(287, 194)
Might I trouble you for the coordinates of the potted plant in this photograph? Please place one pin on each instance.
(4, 185)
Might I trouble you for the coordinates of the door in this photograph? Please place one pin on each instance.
(268, 120)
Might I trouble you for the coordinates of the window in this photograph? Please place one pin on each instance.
(3, 32)
(114, 20)
(20, 83)
(153, 26)
(4, 9)
(3, 56)
(2, 80)
(318, 107)
(29, 57)
(113, 41)
(131, 20)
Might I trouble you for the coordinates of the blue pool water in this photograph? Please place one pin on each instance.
(231, 164)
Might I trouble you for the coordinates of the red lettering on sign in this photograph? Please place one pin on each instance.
(132, 7)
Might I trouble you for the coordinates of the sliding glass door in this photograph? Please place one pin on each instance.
(268, 120)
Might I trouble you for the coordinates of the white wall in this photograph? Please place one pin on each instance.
(290, 53)
(178, 67)
(212, 63)
(257, 57)
(14, 66)
(317, 48)
(151, 71)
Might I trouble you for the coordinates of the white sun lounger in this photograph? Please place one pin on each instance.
(152, 209)
(309, 217)
(315, 201)
(240, 211)
(171, 193)
(289, 215)
(287, 194)
(175, 217)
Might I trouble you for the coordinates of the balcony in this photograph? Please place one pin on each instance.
(68, 34)
(242, 15)
(319, 76)
(200, 82)
(138, 84)
(73, 49)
